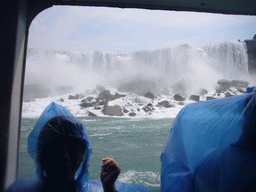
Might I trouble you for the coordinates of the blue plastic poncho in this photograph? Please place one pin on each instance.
(198, 132)
(50, 124)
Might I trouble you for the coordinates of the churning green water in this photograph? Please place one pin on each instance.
(136, 145)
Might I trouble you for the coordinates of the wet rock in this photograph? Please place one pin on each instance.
(61, 100)
(177, 97)
(181, 103)
(242, 90)
(132, 114)
(105, 94)
(85, 105)
(112, 110)
(126, 111)
(165, 104)
(228, 94)
(203, 92)
(138, 109)
(77, 96)
(73, 97)
(97, 108)
(195, 97)
(239, 83)
(223, 85)
(92, 114)
(224, 82)
(117, 95)
(89, 99)
(210, 98)
(150, 95)
(147, 109)
(103, 102)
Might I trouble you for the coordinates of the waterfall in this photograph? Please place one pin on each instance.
(229, 58)
(194, 67)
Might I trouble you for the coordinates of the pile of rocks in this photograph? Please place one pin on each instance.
(224, 88)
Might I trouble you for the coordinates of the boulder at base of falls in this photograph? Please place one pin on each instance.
(90, 114)
(165, 104)
(97, 108)
(223, 85)
(105, 94)
(132, 114)
(181, 103)
(210, 98)
(242, 90)
(126, 111)
(148, 108)
(195, 97)
(150, 95)
(88, 99)
(112, 110)
(228, 94)
(117, 95)
(203, 91)
(85, 105)
(239, 84)
(73, 97)
(103, 102)
(77, 96)
(177, 97)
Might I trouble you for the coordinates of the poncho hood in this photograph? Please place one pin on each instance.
(56, 120)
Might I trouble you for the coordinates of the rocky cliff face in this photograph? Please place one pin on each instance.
(251, 50)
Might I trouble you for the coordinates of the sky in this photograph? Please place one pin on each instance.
(84, 29)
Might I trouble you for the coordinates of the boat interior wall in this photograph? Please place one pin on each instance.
(18, 14)
(13, 49)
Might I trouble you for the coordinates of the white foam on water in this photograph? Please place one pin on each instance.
(97, 135)
(147, 178)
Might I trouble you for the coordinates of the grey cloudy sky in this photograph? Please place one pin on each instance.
(75, 28)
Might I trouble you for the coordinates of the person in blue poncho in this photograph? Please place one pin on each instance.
(233, 168)
(60, 146)
(212, 147)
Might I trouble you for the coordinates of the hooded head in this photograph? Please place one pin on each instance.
(59, 134)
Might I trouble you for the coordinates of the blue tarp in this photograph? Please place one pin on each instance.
(198, 131)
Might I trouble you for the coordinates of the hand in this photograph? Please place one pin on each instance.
(109, 173)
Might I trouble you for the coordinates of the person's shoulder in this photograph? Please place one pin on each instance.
(25, 185)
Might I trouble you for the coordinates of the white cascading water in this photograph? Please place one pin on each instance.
(194, 68)
(229, 58)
